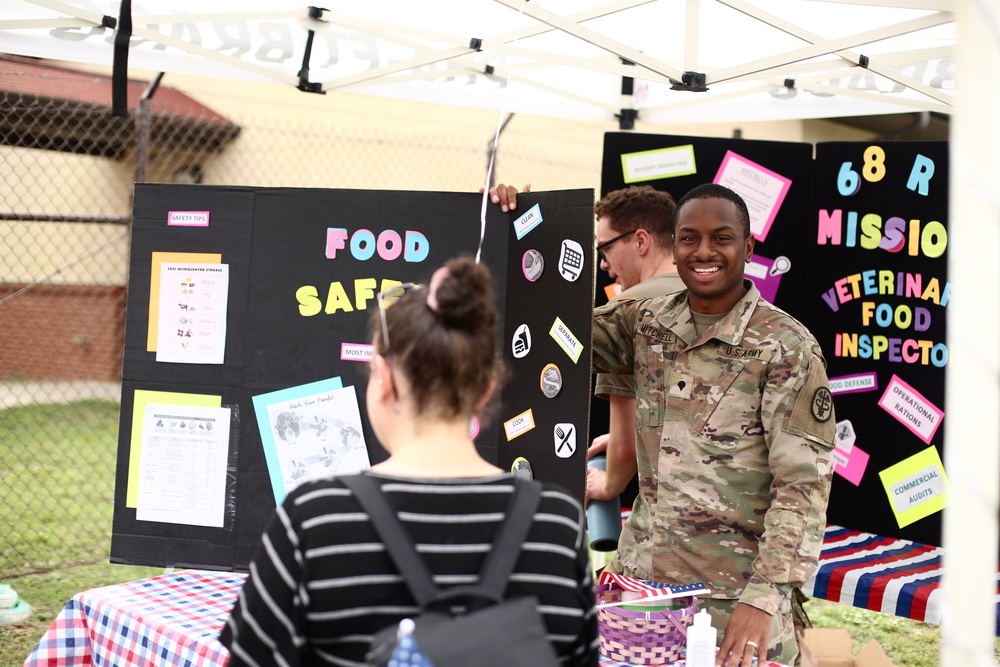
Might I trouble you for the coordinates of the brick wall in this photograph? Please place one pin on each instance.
(62, 332)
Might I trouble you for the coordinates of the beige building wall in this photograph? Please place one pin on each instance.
(295, 139)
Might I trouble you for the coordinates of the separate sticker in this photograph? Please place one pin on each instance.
(532, 264)
(551, 380)
(570, 260)
(612, 291)
(761, 271)
(851, 465)
(917, 487)
(912, 410)
(570, 344)
(658, 163)
(854, 384)
(521, 343)
(188, 218)
(519, 425)
(564, 440)
(845, 435)
(531, 219)
(356, 352)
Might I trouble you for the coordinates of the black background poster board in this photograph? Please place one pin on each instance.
(293, 311)
(788, 239)
(837, 258)
(883, 285)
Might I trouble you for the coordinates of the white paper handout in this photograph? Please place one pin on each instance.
(193, 308)
(182, 465)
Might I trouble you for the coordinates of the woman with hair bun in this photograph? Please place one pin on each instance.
(321, 584)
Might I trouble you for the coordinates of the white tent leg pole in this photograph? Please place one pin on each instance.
(972, 427)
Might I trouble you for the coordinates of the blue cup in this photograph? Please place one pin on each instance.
(604, 517)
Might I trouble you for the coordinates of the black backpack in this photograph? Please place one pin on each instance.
(493, 632)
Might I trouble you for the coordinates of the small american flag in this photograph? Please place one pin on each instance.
(648, 590)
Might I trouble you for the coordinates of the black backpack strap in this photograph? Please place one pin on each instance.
(499, 562)
(510, 536)
(394, 535)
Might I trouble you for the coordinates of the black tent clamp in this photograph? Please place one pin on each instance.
(119, 72)
(304, 83)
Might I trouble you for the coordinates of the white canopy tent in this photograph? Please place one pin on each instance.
(760, 60)
(756, 60)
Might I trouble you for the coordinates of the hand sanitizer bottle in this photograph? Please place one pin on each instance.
(701, 638)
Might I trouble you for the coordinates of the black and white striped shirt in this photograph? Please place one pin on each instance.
(321, 583)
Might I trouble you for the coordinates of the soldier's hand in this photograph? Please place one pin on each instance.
(598, 446)
(747, 634)
(597, 486)
(505, 195)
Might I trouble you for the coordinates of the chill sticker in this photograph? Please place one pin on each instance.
(519, 425)
(531, 219)
(911, 409)
(570, 344)
(766, 274)
(355, 352)
(551, 381)
(917, 487)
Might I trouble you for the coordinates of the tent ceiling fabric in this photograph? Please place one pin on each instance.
(759, 59)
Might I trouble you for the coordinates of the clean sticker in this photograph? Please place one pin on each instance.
(521, 343)
(658, 163)
(917, 486)
(532, 264)
(519, 425)
(854, 384)
(851, 465)
(911, 409)
(551, 381)
(570, 260)
(187, 218)
(564, 440)
(845, 435)
(570, 344)
(531, 219)
(355, 352)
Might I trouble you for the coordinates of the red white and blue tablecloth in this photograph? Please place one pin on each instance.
(884, 574)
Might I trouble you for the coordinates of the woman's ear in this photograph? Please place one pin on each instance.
(381, 377)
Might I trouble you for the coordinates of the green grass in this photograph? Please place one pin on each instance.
(56, 484)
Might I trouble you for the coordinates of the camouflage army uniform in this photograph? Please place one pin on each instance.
(735, 429)
(606, 384)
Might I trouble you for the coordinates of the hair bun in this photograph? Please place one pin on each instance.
(465, 296)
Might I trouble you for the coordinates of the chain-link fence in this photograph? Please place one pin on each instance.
(68, 167)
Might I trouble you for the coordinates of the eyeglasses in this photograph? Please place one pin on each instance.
(601, 247)
(387, 298)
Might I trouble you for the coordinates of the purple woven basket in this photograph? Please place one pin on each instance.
(643, 637)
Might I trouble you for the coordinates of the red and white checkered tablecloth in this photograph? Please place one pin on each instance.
(171, 619)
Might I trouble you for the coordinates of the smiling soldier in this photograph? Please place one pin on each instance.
(734, 405)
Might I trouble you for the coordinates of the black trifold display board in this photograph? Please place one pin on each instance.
(853, 243)
(277, 245)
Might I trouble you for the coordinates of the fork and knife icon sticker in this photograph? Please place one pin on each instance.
(564, 440)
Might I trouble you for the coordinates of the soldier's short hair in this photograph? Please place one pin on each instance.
(716, 191)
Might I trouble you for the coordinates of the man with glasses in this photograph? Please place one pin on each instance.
(634, 235)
